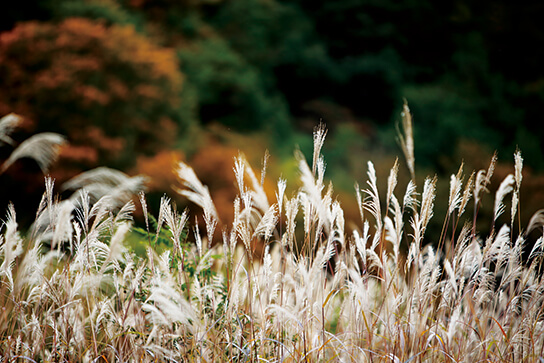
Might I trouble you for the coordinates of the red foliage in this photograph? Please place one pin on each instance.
(107, 88)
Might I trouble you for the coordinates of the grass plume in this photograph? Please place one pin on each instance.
(340, 294)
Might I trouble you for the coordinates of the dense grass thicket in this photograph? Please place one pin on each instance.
(287, 281)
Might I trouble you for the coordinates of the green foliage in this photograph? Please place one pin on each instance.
(108, 11)
(159, 241)
(228, 89)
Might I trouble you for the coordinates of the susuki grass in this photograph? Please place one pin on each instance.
(384, 291)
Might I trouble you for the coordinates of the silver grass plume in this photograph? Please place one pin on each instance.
(393, 227)
(466, 195)
(237, 221)
(282, 184)
(124, 192)
(200, 195)
(420, 220)
(497, 249)
(325, 254)
(239, 172)
(258, 195)
(319, 139)
(410, 197)
(163, 210)
(456, 182)
(359, 199)
(176, 222)
(265, 165)
(506, 187)
(7, 125)
(267, 223)
(491, 168)
(427, 200)
(338, 225)
(125, 213)
(43, 148)
(11, 245)
(518, 167)
(291, 210)
(407, 140)
(479, 186)
(143, 202)
(392, 180)
(245, 235)
(536, 221)
(372, 201)
(101, 211)
(538, 249)
(198, 239)
(83, 210)
(62, 224)
(166, 305)
(361, 242)
(101, 175)
(313, 202)
(483, 179)
(106, 182)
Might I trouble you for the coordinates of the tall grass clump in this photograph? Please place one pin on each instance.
(286, 281)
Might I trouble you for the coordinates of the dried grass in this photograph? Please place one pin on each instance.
(337, 295)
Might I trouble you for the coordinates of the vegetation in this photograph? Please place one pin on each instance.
(278, 266)
(288, 279)
(134, 82)
(106, 88)
(273, 65)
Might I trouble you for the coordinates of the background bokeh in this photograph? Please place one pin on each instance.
(140, 84)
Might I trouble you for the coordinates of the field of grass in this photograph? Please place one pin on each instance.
(288, 281)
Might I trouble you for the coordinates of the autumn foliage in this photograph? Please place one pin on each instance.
(112, 91)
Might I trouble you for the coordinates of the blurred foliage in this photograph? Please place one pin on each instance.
(108, 11)
(228, 89)
(105, 87)
(138, 84)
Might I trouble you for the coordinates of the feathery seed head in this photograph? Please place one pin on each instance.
(518, 166)
(319, 139)
(506, 187)
(43, 148)
(7, 125)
